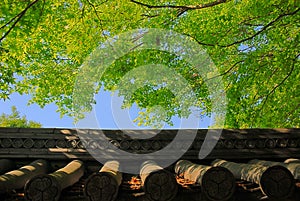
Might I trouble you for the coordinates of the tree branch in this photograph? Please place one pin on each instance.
(291, 111)
(227, 71)
(249, 37)
(281, 83)
(96, 12)
(189, 7)
(18, 18)
(262, 29)
(200, 42)
(95, 9)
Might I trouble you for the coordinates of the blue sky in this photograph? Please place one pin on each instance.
(103, 114)
(46, 116)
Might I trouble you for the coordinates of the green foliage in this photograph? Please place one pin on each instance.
(254, 45)
(15, 120)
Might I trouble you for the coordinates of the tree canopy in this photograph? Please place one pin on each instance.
(16, 120)
(253, 44)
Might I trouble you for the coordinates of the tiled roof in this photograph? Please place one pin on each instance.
(61, 146)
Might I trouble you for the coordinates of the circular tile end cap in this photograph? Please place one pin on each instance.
(42, 187)
(218, 183)
(161, 186)
(277, 182)
(101, 186)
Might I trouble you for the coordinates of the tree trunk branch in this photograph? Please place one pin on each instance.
(189, 7)
(262, 29)
(18, 18)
